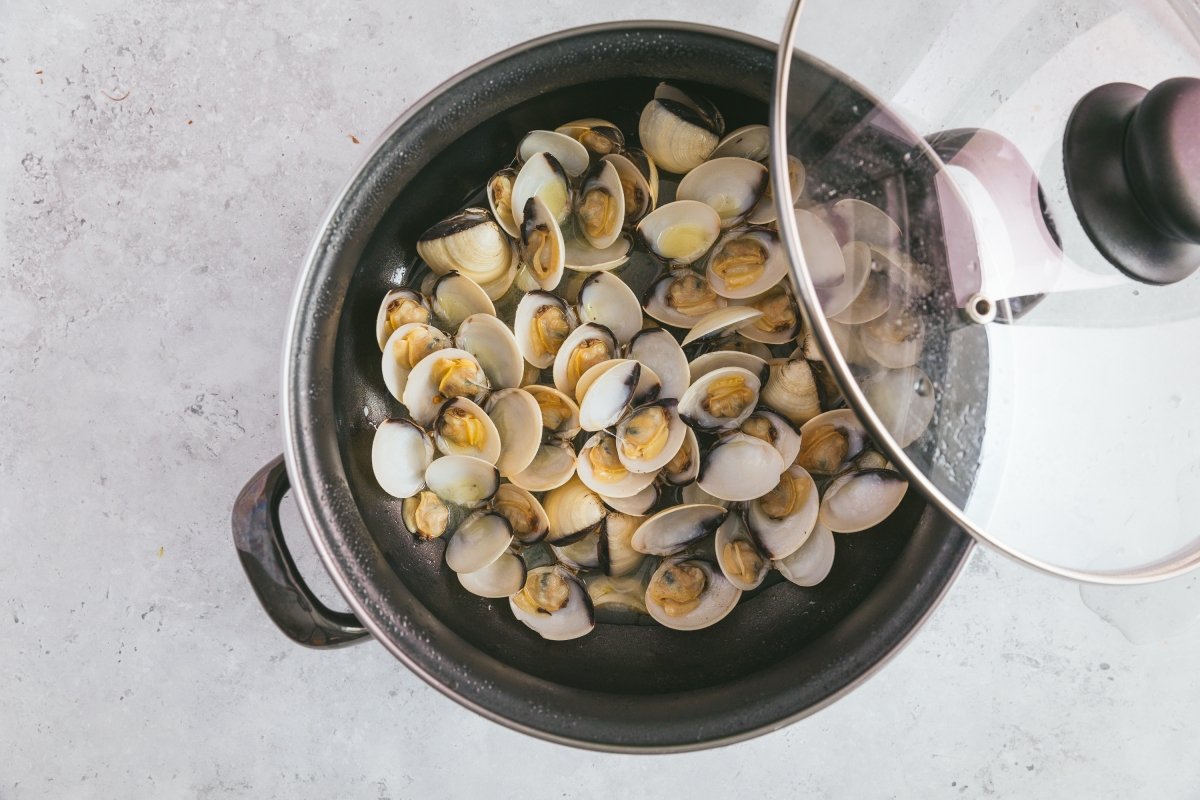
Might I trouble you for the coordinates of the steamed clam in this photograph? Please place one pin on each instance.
(611, 403)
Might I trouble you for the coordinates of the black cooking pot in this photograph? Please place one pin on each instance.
(783, 652)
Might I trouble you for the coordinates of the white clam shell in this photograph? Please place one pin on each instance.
(383, 328)
(617, 556)
(395, 361)
(638, 504)
(693, 404)
(462, 480)
(894, 339)
(525, 318)
(478, 541)
(487, 450)
(575, 619)
(772, 329)
(680, 232)
(542, 176)
(731, 186)
(839, 299)
(600, 206)
(811, 563)
(822, 252)
(582, 257)
(543, 249)
(704, 364)
(774, 265)
(573, 510)
(580, 553)
(721, 321)
(422, 396)
(523, 511)
(676, 430)
(635, 184)
(518, 421)
(572, 155)
(503, 577)
(552, 466)
(812, 434)
(677, 138)
(748, 141)
(400, 453)
(503, 214)
(859, 221)
(784, 435)
(494, 347)
(607, 300)
(692, 494)
(792, 390)
(471, 242)
(740, 467)
(733, 530)
(586, 333)
(598, 135)
(454, 297)
(688, 474)
(658, 350)
(861, 499)
(720, 597)
(779, 538)
(659, 304)
(629, 485)
(765, 212)
(672, 529)
(558, 412)
(609, 396)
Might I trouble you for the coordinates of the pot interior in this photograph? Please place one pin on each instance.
(784, 648)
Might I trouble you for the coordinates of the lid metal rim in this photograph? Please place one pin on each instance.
(1169, 567)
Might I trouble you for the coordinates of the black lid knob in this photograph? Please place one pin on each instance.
(1132, 161)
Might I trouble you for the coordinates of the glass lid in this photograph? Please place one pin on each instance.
(994, 223)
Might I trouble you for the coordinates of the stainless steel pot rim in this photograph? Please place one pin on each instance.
(304, 492)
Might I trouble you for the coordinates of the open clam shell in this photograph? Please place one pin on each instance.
(776, 430)
(523, 511)
(462, 480)
(680, 232)
(672, 529)
(739, 558)
(600, 205)
(657, 350)
(607, 300)
(559, 413)
(822, 252)
(739, 467)
(842, 299)
(572, 155)
(543, 250)
(618, 599)
(782, 519)
(518, 420)
(441, 376)
(684, 466)
(861, 499)
(779, 317)
(463, 428)
(687, 594)
(650, 435)
(830, 441)
(610, 395)
(638, 504)
(580, 554)
(543, 177)
(554, 604)
(719, 399)
(764, 213)
(586, 346)
(478, 541)
(855, 220)
(600, 469)
(494, 347)
(400, 453)
(582, 257)
(471, 242)
(894, 339)
(746, 262)
(905, 401)
(732, 186)
(812, 562)
(573, 511)
(551, 467)
(541, 325)
(640, 197)
(500, 199)
(454, 297)
(598, 135)
(503, 577)
(405, 348)
(425, 515)
(721, 322)
(400, 307)
(706, 363)
(681, 298)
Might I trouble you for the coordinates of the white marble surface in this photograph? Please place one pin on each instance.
(162, 168)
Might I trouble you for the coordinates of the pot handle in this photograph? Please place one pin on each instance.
(284, 595)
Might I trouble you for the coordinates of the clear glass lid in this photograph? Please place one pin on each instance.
(994, 235)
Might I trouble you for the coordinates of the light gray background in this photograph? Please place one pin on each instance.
(147, 252)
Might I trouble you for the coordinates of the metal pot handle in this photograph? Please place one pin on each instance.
(284, 595)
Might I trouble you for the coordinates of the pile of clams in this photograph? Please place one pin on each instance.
(589, 451)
